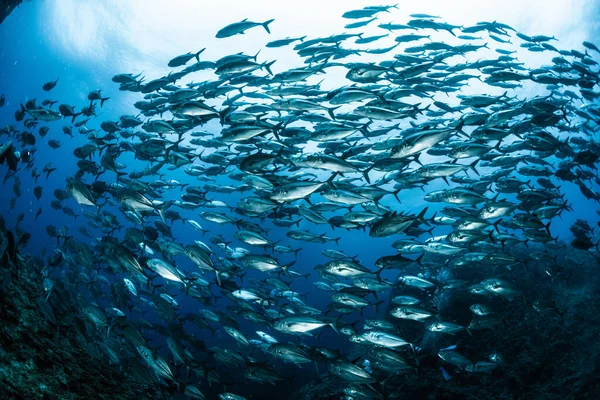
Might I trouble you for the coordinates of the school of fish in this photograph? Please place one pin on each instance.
(278, 166)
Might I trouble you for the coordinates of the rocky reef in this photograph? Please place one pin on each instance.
(43, 352)
(6, 7)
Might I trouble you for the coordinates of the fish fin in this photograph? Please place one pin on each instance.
(287, 266)
(266, 25)
(421, 215)
(366, 176)
(472, 166)
(395, 193)
(496, 225)
(330, 111)
(547, 226)
(267, 66)
(329, 181)
(198, 54)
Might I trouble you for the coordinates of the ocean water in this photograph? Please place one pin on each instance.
(85, 44)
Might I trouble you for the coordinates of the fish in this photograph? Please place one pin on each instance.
(97, 95)
(48, 86)
(384, 339)
(284, 42)
(238, 28)
(180, 262)
(183, 59)
(298, 325)
(44, 114)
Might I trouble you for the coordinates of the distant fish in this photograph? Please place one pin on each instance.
(238, 28)
(50, 85)
(96, 95)
(284, 42)
(184, 58)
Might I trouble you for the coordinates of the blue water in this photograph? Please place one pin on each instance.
(34, 51)
(30, 57)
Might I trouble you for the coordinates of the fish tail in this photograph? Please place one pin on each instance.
(395, 193)
(496, 225)
(162, 208)
(421, 215)
(365, 128)
(267, 66)
(547, 226)
(197, 55)
(472, 166)
(266, 25)
(366, 176)
(330, 111)
(286, 267)
(329, 181)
